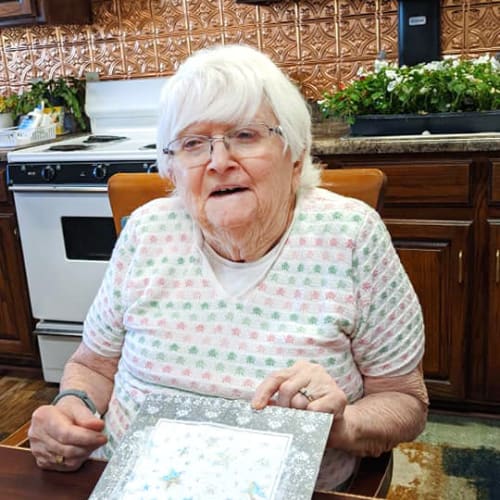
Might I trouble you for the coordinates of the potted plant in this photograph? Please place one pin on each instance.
(445, 96)
(8, 104)
(60, 95)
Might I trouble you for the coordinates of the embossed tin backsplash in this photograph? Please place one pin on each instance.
(319, 43)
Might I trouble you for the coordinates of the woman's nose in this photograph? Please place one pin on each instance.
(219, 155)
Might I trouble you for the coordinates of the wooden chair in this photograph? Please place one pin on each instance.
(128, 191)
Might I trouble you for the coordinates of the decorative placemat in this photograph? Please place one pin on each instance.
(212, 448)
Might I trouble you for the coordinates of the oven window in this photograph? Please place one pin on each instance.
(88, 238)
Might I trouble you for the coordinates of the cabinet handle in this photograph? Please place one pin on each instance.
(497, 266)
(460, 266)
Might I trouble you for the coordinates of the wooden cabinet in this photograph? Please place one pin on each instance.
(493, 330)
(16, 12)
(492, 333)
(433, 254)
(443, 213)
(17, 344)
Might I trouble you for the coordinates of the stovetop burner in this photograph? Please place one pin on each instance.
(91, 139)
(68, 147)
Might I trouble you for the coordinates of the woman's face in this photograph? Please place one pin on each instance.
(230, 193)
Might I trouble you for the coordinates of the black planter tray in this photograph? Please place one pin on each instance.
(434, 123)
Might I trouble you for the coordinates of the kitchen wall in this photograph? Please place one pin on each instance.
(318, 42)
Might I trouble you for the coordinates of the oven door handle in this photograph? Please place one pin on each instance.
(58, 188)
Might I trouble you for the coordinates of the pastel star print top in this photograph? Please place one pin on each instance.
(335, 294)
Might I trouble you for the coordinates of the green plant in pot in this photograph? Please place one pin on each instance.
(60, 92)
(468, 90)
(8, 104)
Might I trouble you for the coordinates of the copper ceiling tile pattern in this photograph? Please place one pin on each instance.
(244, 35)
(19, 64)
(314, 79)
(47, 62)
(452, 30)
(284, 12)
(322, 9)
(279, 42)
(171, 52)
(347, 71)
(109, 59)
(140, 57)
(388, 5)
(203, 15)
(15, 38)
(356, 7)
(106, 17)
(483, 26)
(136, 19)
(70, 34)
(320, 43)
(388, 26)
(77, 60)
(202, 39)
(239, 15)
(44, 36)
(358, 38)
(169, 18)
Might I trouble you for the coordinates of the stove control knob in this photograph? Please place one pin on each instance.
(99, 172)
(48, 173)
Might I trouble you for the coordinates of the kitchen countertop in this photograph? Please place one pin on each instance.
(437, 143)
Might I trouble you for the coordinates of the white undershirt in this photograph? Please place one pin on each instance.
(238, 277)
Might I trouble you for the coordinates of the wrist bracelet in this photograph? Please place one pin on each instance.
(82, 395)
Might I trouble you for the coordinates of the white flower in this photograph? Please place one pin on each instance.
(482, 59)
(361, 71)
(434, 66)
(391, 74)
(380, 64)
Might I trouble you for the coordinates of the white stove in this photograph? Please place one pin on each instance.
(63, 212)
(120, 145)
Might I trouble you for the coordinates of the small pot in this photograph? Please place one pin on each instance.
(6, 120)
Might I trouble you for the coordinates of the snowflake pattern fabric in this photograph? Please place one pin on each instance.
(336, 295)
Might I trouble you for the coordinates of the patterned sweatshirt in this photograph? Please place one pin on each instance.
(336, 294)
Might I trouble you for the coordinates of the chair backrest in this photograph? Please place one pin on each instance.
(366, 184)
(128, 191)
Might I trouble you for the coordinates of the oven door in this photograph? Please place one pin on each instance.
(67, 236)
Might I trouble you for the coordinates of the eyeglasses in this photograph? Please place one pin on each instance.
(243, 142)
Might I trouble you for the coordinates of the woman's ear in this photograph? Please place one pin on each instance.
(297, 171)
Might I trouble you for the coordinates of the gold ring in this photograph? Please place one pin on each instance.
(306, 394)
(59, 459)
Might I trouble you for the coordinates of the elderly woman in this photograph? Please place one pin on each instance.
(249, 283)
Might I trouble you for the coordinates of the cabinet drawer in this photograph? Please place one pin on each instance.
(428, 183)
(495, 182)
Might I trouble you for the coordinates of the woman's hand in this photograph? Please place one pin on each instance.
(305, 386)
(62, 437)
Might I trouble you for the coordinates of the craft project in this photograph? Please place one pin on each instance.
(192, 447)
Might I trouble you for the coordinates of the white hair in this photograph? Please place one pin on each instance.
(228, 84)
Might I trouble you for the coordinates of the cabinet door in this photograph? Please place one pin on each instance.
(493, 330)
(27, 12)
(434, 254)
(16, 339)
(17, 8)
